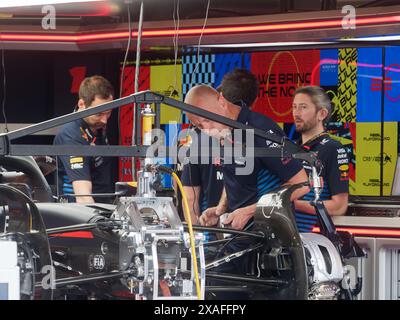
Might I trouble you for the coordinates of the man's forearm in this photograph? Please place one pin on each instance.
(83, 189)
(192, 195)
(223, 202)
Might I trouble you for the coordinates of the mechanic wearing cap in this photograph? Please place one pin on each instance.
(203, 183)
(82, 175)
(243, 191)
(311, 112)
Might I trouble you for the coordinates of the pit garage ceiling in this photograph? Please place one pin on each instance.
(103, 25)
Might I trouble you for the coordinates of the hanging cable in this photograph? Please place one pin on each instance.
(137, 68)
(175, 41)
(198, 45)
(3, 103)
(138, 47)
(127, 50)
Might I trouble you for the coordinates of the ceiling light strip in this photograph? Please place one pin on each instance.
(195, 31)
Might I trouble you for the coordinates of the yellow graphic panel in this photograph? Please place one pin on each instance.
(345, 100)
(368, 158)
(167, 80)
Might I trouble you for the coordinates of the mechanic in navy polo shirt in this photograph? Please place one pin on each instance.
(243, 191)
(311, 112)
(203, 183)
(87, 175)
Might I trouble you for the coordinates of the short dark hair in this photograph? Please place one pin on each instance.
(319, 97)
(95, 86)
(239, 87)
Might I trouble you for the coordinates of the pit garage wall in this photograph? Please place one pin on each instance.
(352, 77)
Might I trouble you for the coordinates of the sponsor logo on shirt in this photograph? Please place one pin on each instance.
(75, 160)
(76, 163)
(344, 175)
(76, 166)
(324, 141)
(342, 156)
(98, 161)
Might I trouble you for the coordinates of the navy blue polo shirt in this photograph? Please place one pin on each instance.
(210, 180)
(335, 173)
(268, 174)
(72, 168)
(208, 176)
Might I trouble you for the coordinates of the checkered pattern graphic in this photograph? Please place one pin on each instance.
(204, 74)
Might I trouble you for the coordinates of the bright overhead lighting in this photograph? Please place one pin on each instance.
(25, 3)
(262, 44)
(377, 38)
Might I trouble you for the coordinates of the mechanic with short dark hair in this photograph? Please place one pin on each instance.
(81, 175)
(311, 113)
(203, 183)
(240, 87)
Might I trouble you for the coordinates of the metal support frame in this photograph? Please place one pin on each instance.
(287, 148)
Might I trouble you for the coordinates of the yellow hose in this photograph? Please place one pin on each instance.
(186, 212)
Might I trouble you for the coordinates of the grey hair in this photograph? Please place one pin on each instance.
(319, 97)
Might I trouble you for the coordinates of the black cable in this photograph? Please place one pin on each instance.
(217, 242)
(73, 228)
(235, 237)
(4, 91)
(227, 230)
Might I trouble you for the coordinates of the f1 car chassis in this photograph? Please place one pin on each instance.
(140, 248)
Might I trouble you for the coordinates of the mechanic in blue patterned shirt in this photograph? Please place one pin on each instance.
(87, 175)
(311, 112)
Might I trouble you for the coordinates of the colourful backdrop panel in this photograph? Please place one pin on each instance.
(126, 116)
(167, 80)
(369, 158)
(197, 70)
(369, 84)
(391, 88)
(280, 74)
(345, 100)
(225, 63)
(328, 67)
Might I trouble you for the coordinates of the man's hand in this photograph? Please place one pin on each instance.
(210, 216)
(240, 217)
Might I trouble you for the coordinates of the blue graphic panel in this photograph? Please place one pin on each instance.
(227, 62)
(369, 85)
(329, 67)
(392, 84)
(171, 135)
